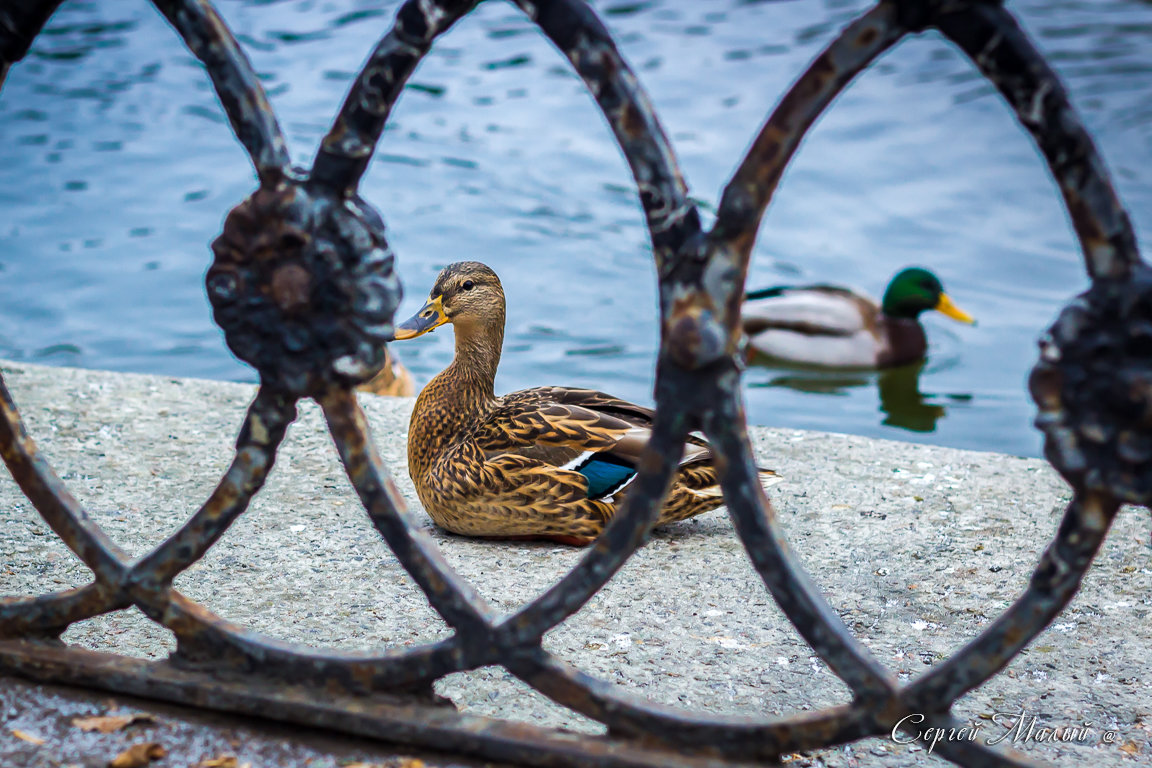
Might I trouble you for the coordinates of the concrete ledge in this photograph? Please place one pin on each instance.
(916, 547)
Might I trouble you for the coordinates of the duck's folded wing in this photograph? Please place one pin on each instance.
(593, 400)
(821, 311)
(602, 447)
(599, 402)
(516, 423)
(637, 415)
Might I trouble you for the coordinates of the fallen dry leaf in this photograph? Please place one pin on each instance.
(223, 761)
(1130, 748)
(111, 723)
(138, 755)
(27, 737)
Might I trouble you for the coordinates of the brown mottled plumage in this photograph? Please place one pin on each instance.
(546, 463)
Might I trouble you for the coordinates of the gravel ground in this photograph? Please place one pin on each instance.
(916, 547)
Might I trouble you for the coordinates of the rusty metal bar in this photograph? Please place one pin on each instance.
(208, 642)
(48, 495)
(748, 193)
(312, 322)
(755, 523)
(395, 720)
(460, 605)
(625, 533)
(1000, 49)
(20, 22)
(673, 222)
(1054, 583)
(236, 84)
(49, 615)
(268, 418)
(733, 737)
(347, 149)
(580, 35)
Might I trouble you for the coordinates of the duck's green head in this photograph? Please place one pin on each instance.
(917, 290)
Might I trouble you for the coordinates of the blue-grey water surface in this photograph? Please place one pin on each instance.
(117, 168)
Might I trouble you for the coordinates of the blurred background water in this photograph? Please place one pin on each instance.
(117, 168)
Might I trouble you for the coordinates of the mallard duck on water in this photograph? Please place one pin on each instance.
(833, 327)
(549, 463)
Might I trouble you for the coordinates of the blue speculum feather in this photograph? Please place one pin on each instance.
(606, 474)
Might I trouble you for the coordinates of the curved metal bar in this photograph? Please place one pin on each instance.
(348, 147)
(755, 523)
(701, 314)
(453, 597)
(268, 417)
(580, 35)
(1054, 583)
(244, 100)
(624, 534)
(673, 223)
(748, 193)
(701, 282)
(20, 22)
(205, 638)
(53, 613)
(1005, 55)
(733, 736)
(51, 498)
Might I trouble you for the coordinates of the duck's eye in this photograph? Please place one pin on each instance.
(468, 285)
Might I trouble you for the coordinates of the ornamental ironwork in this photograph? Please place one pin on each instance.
(303, 285)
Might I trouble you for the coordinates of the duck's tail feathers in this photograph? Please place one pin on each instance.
(769, 478)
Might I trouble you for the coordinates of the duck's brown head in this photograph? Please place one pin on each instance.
(467, 294)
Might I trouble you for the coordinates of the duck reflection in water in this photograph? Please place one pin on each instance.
(903, 404)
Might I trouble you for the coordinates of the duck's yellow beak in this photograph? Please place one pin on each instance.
(430, 316)
(946, 307)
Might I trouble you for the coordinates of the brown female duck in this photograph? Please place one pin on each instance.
(547, 463)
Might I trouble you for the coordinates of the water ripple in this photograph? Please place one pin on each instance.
(121, 166)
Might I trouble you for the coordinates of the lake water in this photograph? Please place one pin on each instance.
(117, 168)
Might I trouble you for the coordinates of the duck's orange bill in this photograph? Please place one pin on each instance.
(946, 307)
(430, 316)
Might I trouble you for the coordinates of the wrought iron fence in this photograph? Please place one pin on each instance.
(303, 286)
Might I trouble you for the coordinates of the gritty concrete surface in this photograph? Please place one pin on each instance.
(918, 548)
